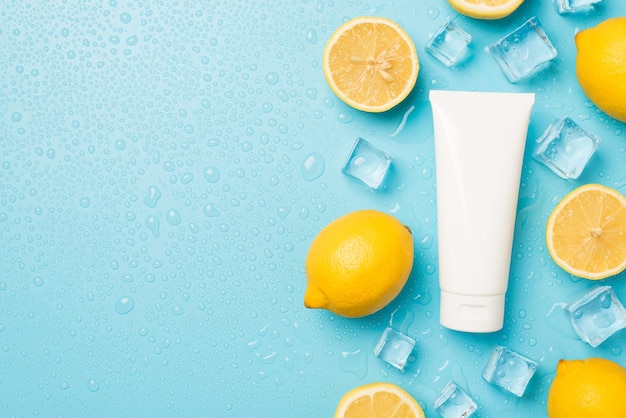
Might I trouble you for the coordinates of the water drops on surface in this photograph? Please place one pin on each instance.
(211, 174)
(84, 202)
(271, 78)
(354, 362)
(153, 196)
(313, 166)
(210, 210)
(125, 18)
(173, 217)
(311, 93)
(345, 117)
(177, 310)
(311, 36)
(93, 385)
(433, 13)
(154, 225)
(132, 40)
(124, 305)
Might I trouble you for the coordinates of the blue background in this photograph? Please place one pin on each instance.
(156, 209)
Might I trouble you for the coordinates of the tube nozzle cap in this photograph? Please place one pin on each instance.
(469, 313)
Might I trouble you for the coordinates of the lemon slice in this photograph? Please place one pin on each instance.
(586, 232)
(485, 9)
(378, 400)
(371, 63)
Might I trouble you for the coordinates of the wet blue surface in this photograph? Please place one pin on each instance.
(164, 167)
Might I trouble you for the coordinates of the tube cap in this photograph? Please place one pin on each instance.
(469, 313)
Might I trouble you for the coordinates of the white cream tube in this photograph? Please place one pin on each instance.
(479, 148)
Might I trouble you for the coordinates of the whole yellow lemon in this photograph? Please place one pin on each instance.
(601, 65)
(358, 264)
(591, 388)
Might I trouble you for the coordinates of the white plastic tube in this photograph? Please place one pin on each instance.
(479, 149)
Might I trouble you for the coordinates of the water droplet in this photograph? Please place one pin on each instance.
(93, 385)
(439, 82)
(311, 93)
(433, 13)
(178, 310)
(354, 362)
(154, 225)
(271, 78)
(38, 281)
(124, 305)
(154, 194)
(211, 211)
(120, 144)
(283, 211)
(211, 174)
(16, 117)
(85, 202)
(173, 217)
(313, 166)
(132, 40)
(282, 95)
(345, 117)
(311, 36)
(125, 18)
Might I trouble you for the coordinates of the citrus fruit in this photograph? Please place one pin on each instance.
(358, 263)
(376, 400)
(586, 232)
(591, 388)
(485, 9)
(601, 65)
(370, 63)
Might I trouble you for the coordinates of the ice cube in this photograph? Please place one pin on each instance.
(453, 402)
(523, 51)
(449, 44)
(597, 315)
(574, 6)
(565, 148)
(509, 370)
(394, 347)
(367, 164)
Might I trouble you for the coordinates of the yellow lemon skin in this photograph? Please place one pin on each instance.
(358, 264)
(601, 65)
(590, 388)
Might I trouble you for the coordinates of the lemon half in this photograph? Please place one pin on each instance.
(370, 63)
(376, 400)
(485, 9)
(586, 232)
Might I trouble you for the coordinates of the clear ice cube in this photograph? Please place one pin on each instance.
(597, 315)
(565, 148)
(509, 370)
(394, 347)
(575, 6)
(453, 402)
(367, 164)
(449, 44)
(523, 51)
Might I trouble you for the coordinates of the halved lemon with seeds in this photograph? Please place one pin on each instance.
(377, 400)
(586, 232)
(371, 63)
(485, 9)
